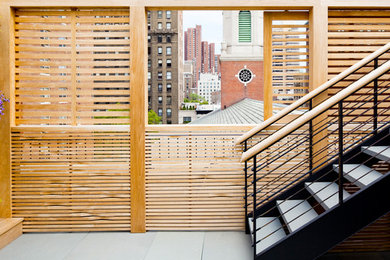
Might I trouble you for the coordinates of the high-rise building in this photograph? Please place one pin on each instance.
(212, 58)
(193, 49)
(165, 64)
(205, 57)
(241, 61)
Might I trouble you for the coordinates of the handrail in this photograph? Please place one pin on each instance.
(313, 94)
(295, 124)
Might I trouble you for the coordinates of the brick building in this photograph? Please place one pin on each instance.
(241, 60)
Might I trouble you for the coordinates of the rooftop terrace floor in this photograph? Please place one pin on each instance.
(150, 245)
(123, 245)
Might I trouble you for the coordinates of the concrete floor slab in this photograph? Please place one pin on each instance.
(176, 246)
(49, 246)
(227, 245)
(112, 245)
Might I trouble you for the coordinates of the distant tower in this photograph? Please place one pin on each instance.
(241, 61)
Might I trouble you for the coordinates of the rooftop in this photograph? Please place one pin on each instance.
(246, 111)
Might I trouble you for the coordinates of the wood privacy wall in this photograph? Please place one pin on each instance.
(286, 52)
(74, 179)
(352, 35)
(194, 178)
(72, 66)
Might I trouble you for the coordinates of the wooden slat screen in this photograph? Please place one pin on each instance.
(289, 51)
(72, 66)
(71, 180)
(354, 34)
(194, 178)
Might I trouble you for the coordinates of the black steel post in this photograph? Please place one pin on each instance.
(246, 191)
(310, 139)
(340, 153)
(254, 206)
(375, 126)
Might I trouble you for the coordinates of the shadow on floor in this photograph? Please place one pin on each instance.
(357, 256)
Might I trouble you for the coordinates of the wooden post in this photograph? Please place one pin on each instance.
(318, 71)
(138, 114)
(8, 119)
(267, 65)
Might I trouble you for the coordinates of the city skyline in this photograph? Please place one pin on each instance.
(211, 22)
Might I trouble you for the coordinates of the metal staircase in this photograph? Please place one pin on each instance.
(313, 182)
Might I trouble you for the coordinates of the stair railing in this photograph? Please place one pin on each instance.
(318, 135)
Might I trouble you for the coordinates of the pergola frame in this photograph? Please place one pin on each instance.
(318, 10)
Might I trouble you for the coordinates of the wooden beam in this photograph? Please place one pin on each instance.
(267, 65)
(6, 87)
(318, 73)
(138, 114)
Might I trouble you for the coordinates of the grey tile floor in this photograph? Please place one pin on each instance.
(123, 245)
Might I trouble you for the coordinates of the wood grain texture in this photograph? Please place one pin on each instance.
(138, 38)
(194, 179)
(6, 119)
(286, 59)
(10, 229)
(72, 66)
(65, 181)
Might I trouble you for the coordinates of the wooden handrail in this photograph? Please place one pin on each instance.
(313, 94)
(292, 126)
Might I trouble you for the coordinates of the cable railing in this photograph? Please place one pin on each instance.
(275, 162)
(337, 83)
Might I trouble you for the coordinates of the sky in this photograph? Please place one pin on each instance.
(211, 22)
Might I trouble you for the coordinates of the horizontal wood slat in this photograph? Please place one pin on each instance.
(71, 180)
(352, 35)
(194, 179)
(75, 63)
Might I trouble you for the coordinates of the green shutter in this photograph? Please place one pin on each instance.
(244, 26)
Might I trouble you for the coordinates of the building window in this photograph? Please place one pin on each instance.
(159, 14)
(169, 75)
(149, 50)
(159, 38)
(149, 63)
(148, 14)
(159, 87)
(149, 87)
(159, 75)
(160, 63)
(160, 99)
(169, 87)
(159, 50)
(244, 26)
(149, 75)
(168, 14)
(159, 26)
(169, 122)
(159, 112)
(169, 39)
(186, 119)
(169, 100)
(169, 50)
(148, 25)
(149, 38)
(169, 62)
(169, 26)
(169, 112)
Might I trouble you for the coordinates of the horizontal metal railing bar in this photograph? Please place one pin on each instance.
(311, 196)
(314, 93)
(318, 166)
(315, 112)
